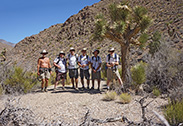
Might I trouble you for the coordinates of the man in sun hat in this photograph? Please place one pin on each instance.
(112, 62)
(72, 58)
(83, 62)
(96, 68)
(44, 70)
(60, 66)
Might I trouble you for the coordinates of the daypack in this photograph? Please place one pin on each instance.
(86, 57)
(109, 56)
(64, 62)
(69, 56)
(97, 59)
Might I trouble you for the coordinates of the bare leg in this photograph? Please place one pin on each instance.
(76, 81)
(46, 84)
(88, 83)
(82, 82)
(42, 83)
(108, 83)
(93, 83)
(99, 84)
(63, 82)
(56, 83)
(72, 81)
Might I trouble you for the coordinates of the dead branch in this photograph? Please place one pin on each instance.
(161, 118)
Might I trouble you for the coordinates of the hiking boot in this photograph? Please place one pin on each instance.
(108, 88)
(98, 89)
(92, 88)
(42, 90)
(83, 88)
(46, 90)
(63, 88)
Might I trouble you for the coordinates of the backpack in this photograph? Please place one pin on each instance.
(86, 57)
(69, 56)
(64, 62)
(115, 57)
(97, 59)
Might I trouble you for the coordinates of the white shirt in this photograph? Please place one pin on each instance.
(95, 62)
(112, 59)
(72, 61)
(83, 61)
(60, 63)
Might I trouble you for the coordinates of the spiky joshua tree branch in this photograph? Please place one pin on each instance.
(127, 26)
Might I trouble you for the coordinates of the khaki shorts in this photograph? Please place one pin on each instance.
(45, 74)
(96, 75)
(112, 74)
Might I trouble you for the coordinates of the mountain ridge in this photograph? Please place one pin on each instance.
(77, 31)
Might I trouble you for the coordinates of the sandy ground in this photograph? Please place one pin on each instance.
(70, 106)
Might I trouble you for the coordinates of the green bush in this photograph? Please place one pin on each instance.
(138, 73)
(110, 96)
(156, 92)
(20, 81)
(174, 113)
(125, 98)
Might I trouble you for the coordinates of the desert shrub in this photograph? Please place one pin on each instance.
(165, 68)
(110, 96)
(125, 98)
(174, 113)
(155, 44)
(20, 81)
(156, 92)
(138, 73)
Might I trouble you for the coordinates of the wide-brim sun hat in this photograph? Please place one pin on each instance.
(111, 50)
(62, 52)
(72, 49)
(84, 49)
(96, 50)
(44, 52)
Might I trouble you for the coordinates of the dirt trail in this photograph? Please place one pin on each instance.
(70, 106)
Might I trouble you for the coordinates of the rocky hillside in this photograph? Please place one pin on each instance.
(76, 31)
(5, 44)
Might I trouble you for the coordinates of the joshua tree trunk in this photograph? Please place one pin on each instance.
(126, 77)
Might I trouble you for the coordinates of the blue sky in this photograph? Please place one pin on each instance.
(22, 18)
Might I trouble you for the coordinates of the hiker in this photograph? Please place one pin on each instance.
(83, 62)
(72, 58)
(60, 69)
(96, 68)
(112, 62)
(44, 70)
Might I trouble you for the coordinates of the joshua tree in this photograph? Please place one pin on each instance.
(127, 27)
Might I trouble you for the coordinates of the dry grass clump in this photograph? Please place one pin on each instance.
(174, 113)
(110, 96)
(125, 98)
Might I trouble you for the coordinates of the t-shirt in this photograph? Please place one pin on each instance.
(83, 61)
(72, 61)
(112, 59)
(61, 64)
(95, 62)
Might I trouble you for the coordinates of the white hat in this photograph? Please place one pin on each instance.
(44, 52)
(62, 52)
(111, 50)
(72, 49)
(84, 49)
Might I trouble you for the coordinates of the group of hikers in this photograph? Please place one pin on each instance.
(72, 62)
